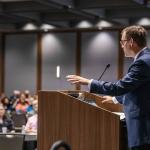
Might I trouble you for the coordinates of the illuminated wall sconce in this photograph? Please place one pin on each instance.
(58, 72)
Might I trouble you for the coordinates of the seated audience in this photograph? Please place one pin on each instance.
(31, 126)
(2, 95)
(28, 96)
(5, 121)
(13, 99)
(6, 103)
(30, 110)
(16, 94)
(21, 104)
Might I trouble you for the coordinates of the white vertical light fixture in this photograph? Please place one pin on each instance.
(58, 71)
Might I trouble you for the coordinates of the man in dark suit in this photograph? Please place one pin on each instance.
(133, 90)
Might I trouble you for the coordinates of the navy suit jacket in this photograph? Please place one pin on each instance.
(133, 92)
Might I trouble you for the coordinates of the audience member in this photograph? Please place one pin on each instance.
(21, 104)
(6, 103)
(31, 126)
(16, 94)
(2, 96)
(4, 120)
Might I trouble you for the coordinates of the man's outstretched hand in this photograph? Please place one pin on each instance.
(74, 79)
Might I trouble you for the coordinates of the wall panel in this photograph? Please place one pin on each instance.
(98, 50)
(58, 50)
(20, 62)
(1, 63)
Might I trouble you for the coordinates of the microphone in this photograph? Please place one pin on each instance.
(107, 66)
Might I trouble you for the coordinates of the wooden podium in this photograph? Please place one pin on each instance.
(63, 116)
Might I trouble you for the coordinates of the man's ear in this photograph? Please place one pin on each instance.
(131, 42)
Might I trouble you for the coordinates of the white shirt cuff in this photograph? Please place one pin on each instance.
(115, 100)
(89, 85)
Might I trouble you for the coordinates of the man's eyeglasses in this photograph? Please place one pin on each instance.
(122, 42)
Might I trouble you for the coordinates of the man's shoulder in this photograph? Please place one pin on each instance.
(144, 55)
(146, 51)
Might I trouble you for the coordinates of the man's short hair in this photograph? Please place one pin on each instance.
(137, 33)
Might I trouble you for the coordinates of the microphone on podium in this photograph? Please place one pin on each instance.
(107, 66)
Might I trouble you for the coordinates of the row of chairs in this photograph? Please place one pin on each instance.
(19, 120)
(16, 142)
(10, 141)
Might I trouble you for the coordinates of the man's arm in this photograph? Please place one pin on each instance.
(138, 74)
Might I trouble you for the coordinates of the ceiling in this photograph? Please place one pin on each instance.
(68, 13)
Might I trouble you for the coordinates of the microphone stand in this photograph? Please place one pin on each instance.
(104, 71)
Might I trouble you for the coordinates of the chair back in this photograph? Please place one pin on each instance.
(19, 120)
(14, 142)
